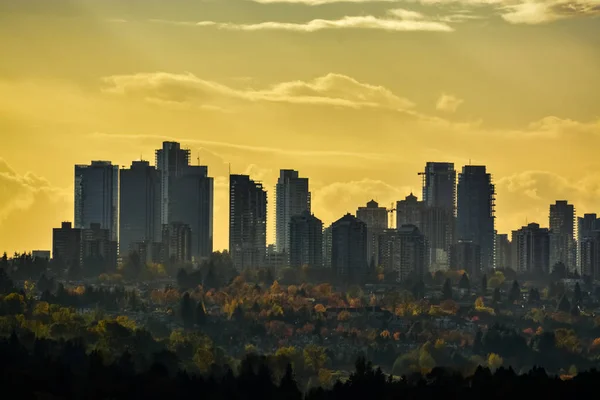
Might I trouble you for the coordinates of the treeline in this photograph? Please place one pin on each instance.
(63, 370)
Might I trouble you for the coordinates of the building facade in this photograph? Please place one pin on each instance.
(503, 258)
(475, 221)
(562, 234)
(139, 209)
(531, 250)
(586, 228)
(466, 256)
(349, 248)
(171, 160)
(403, 252)
(66, 246)
(177, 243)
(191, 203)
(247, 222)
(327, 247)
(306, 241)
(409, 211)
(376, 219)
(439, 186)
(292, 199)
(99, 251)
(97, 196)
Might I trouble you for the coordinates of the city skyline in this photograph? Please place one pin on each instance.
(357, 107)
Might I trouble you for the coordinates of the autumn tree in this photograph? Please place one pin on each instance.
(494, 361)
(315, 357)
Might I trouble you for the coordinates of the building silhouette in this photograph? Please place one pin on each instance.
(99, 251)
(403, 251)
(437, 224)
(503, 257)
(562, 239)
(475, 211)
(531, 249)
(247, 222)
(349, 248)
(191, 203)
(171, 160)
(139, 209)
(376, 219)
(97, 196)
(176, 243)
(439, 186)
(306, 241)
(409, 211)
(466, 256)
(586, 228)
(327, 247)
(66, 246)
(292, 199)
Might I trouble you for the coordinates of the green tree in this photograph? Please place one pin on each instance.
(484, 284)
(515, 292)
(447, 290)
(497, 296)
(464, 282)
(187, 310)
(315, 357)
(564, 305)
(577, 295)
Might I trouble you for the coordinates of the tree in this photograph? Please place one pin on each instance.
(484, 284)
(577, 295)
(494, 361)
(315, 357)
(200, 314)
(559, 271)
(515, 292)
(447, 290)
(464, 282)
(564, 305)
(497, 296)
(187, 310)
(534, 295)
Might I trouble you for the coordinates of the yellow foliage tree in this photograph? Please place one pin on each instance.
(203, 358)
(320, 308)
(494, 361)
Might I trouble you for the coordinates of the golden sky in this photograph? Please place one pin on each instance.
(356, 95)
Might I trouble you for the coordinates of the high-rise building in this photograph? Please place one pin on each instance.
(97, 196)
(349, 248)
(466, 256)
(531, 249)
(439, 185)
(177, 242)
(409, 211)
(437, 224)
(191, 203)
(475, 211)
(586, 228)
(139, 209)
(66, 246)
(171, 160)
(503, 258)
(327, 247)
(99, 251)
(562, 239)
(292, 198)
(247, 222)
(403, 251)
(306, 241)
(376, 219)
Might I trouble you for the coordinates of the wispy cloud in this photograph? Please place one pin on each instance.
(538, 12)
(331, 89)
(237, 146)
(448, 103)
(316, 25)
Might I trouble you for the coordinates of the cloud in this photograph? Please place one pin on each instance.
(448, 103)
(315, 25)
(331, 89)
(29, 207)
(538, 12)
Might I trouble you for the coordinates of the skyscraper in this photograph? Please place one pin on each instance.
(475, 212)
(376, 219)
(171, 160)
(409, 211)
(466, 256)
(531, 249)
(292, 198)
(403, 251)
(437, 224)
(247, 222)
(562, 239)
(306, 241)
(439, 185)
(586, 226)
(99, 251)
(191, 203)
(177, 242)
(349, 248)
(139, 206)
(66, 246)
(503, 258)
(327, 247)
(97, 196)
